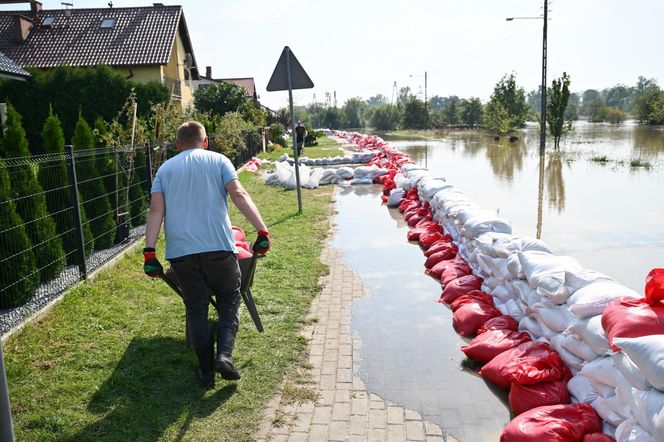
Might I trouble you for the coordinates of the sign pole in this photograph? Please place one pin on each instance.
(292, 113)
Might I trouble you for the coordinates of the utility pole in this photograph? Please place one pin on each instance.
(425, 91)
(543, 109)
(394, 92)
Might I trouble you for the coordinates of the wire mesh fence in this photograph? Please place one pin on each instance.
(64, 215)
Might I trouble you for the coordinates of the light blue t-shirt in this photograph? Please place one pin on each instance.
(194, 186)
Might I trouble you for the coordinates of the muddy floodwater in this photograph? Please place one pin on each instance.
(602, 202)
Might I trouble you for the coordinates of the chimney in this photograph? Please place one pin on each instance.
(208, 72)
(35, 7)
(22, 27)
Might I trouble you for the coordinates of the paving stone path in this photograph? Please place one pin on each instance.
(344, 410)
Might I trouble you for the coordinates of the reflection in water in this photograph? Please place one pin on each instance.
(649, 141)
(555, 186)
(540, 197)
(505, 157)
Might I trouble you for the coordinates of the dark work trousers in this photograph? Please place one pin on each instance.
(201, 275)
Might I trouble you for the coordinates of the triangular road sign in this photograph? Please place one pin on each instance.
(279, 79)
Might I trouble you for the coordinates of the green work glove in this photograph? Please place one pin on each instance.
(262, 244)
(151, 265)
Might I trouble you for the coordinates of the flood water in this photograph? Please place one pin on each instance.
(608, 215)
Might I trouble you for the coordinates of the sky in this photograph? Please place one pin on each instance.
(360, 48)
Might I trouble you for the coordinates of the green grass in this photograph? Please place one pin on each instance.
(110, 362)
(636, 163)
(327, 147)
(428, 134)
(601, 159)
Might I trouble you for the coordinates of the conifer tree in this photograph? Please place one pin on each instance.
(95, 199)
(18, 273)
(54, 179)
(30, 201)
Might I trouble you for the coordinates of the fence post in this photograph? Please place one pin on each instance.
(148, 162)
(6, 427)
(78, 231)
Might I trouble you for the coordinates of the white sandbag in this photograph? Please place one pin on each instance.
(649, 411)
(591, 332)
(609, 429)
(522, 289)
(556, 318)
(514, 267)
(605, 412)
(579, 348)
(396, 195)
(504, 247)
(631, 372)
(559, 296)
(483, 263)
(362, 181)
(572, 361)
(546, 270)
(345, 173)
(624, 404)
(272, 178)
(604, 370)
(329, 176)
(647, 353)
(581, 388)
(531, 326)
(592, 299)
(579, 278)
(313, 180)
(485, 223)
(631, 431)
(501, 293)
(487, 242)
(603, 389)
(428, 187)
(400, 181)
(514, 309)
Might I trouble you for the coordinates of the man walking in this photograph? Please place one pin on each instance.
(300, 135)
(190, 195)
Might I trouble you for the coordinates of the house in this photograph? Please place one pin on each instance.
(9, 69)
(144, 43)
(247, 83)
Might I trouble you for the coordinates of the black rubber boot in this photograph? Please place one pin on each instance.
(224, 362)
(205, 373)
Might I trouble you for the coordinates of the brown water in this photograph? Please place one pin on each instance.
(608, 215)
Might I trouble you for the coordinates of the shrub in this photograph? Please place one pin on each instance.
(230, 134)
(95, 199)
(31, 202)
(55, 181)
(18, 276)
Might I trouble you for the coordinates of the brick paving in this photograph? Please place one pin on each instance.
(344, 410)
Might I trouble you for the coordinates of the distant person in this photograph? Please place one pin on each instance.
(300, 135)
(190, 195)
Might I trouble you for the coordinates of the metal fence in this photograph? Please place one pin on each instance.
(65, 215)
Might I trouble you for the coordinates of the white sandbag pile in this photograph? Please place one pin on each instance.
(357, 157)
(311, 178)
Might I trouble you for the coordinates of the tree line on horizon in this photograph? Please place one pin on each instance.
(508, 108)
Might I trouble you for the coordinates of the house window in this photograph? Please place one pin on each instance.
(107, 23)
(48, 20)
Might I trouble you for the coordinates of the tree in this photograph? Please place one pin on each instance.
(333, 118)
(450, 110)
(649, 99)
(496, 119)
(30, 202)
(54, 180)
(592, 100)
(220, 98)
(436, 103)
(414, 114)
(385, 117)
(512, 99)
(95, 197)
(614, 115)
(354, 110)
(595, 110)
(404, 96)
(471, 112)
(19, 276)
(558, 95)
(230, 134)
(377, 100)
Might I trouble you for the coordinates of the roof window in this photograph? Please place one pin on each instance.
(48, 20)
(107, 23)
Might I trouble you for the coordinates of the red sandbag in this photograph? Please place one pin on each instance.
(446, 253)
(526, 397)
(407, 204)
(598, 437)
(238, 234)
(655, 286)
(415, 232)
(472, 296)
(458, 268)
(439, 245)
(528, 363)
(472, 315)
(414, 220)
(490, 344)
(243, 251)
(428, 238)
(553, 423)
(632, 318)
(502, 322)
(463, 285)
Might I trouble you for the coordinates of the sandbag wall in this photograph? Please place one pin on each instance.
(547, 329)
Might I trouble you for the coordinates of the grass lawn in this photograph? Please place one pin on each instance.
(327, 147)
(110, 362)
